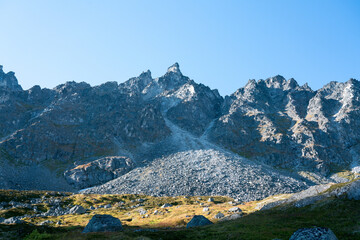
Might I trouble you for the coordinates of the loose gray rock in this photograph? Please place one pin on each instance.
(103, 223)
(206, 209)
(142, 211)
(317, 233)
(13, 220)
(197, 221)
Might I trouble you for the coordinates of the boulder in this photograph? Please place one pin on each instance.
(317, 233)
(206, 209)
(197, 221)
(98, 171)
(235, 209)
(219, 215)
(77, 209)
(232, 217)
(166, 205)
(103, 223)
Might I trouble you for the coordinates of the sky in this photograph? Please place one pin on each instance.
(221, 44)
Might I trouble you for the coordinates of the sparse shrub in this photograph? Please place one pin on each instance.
(35, 235)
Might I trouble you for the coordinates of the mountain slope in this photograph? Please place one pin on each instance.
(174, 121)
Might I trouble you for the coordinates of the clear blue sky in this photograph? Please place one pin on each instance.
(221, 44)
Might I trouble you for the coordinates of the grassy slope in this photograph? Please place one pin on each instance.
(341, 215)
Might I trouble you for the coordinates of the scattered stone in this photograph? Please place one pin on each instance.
(317, 233)
(13, 220)
(107, 206)
(197, 221)
(142, 211)
(210, 199)
(103, 223)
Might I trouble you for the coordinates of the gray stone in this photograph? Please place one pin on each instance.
(235, 210)
(317, 233)
(166, 205)
(219, 215)
(354, 190)
(197, 221)
(231, 217)
(142, 211)
(77, 209)
(103, 223)
(13, 220)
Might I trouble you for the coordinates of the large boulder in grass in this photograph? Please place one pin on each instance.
(197, 221)
(103, 223)
(317, 233)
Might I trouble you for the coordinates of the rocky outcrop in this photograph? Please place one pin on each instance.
(103, 223)
(99, 171)
(285, 125)
(316, 233)
(9, 81)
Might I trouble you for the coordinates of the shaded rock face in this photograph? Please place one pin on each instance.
(198, 221)
(318, 233)
(103, 223)
(285, 125)
(99, 171)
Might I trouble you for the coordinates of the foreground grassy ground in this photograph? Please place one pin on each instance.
(341, 215)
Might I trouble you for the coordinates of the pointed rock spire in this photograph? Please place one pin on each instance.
(8, 80)
(175, 68)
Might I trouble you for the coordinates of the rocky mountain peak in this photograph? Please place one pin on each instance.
(275, 82)
(146, 74)
(175, 68)
(8, 80)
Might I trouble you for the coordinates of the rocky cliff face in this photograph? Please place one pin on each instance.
(285, 125)
(149, 121)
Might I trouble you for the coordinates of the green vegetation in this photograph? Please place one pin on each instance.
(339, 214)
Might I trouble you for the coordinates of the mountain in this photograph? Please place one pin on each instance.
(172, 136)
